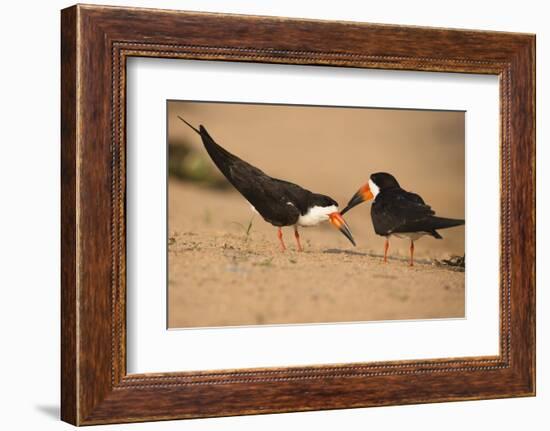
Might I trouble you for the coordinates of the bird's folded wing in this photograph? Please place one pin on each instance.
(402, 212)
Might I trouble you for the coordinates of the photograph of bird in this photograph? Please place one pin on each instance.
(397, 212)
(279, 202)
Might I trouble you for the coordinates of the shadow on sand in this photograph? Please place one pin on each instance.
(376, 256)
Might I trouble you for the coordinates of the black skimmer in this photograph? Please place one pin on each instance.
(397, 212)
(279, 202)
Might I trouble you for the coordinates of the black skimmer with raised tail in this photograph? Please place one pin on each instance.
(279, 202)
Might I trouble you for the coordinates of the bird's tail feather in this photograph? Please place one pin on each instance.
(442, 222)
(435, 234)
(221, 157)
(194, 128)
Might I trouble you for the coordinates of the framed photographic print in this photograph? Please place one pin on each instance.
(264, 215)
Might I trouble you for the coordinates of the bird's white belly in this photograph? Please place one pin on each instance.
(316, 215)
(413, 236)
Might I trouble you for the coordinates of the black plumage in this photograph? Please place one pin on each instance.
(398, 212)
(279, 202)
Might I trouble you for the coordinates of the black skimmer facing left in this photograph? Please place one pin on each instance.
(397, 212)
(279, 202)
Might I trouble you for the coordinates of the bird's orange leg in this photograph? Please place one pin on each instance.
(411, 263)
(297, 236)
(386, 247)
(280, 236)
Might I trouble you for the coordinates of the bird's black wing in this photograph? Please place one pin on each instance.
(274, 199)
(397, 211)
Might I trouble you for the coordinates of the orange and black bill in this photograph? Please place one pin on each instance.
(338, 221)
(363, 194)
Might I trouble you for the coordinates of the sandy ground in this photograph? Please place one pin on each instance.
(218, 275)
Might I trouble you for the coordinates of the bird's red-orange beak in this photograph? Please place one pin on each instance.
(364, 194)
(338, 221)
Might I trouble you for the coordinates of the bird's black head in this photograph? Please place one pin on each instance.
(384, 181)
(377, 182)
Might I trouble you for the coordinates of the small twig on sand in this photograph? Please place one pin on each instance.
(247, 229)
(458, 263)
